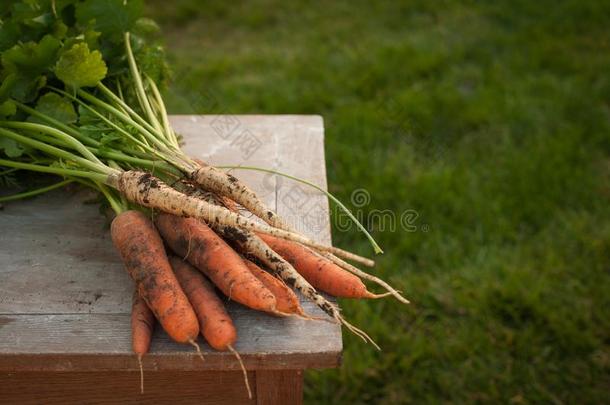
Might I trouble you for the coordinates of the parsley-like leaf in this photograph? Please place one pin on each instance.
(57, 107)
(11, 148)
(151, 61)
(79, 67)
(10, 34)
(7, 109)
(32, 58)
(112, 17)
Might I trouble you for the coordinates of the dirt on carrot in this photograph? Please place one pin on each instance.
(195, 242)
(141, 248)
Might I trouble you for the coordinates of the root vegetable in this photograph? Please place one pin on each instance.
(141, 248)
(287, 300)
(194, 241)
(142, 325)
(225, 184)
(147, 190)
(216, 326)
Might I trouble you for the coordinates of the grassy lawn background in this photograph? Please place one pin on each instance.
(491, 120)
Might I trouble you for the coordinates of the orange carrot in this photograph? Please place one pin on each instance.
(141, 248)
(142, 325)
(214, 321)
(287, 300)
(319, 271)
(195, 242)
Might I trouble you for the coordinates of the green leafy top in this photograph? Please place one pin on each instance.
(57, 107)
(73, 44)
(110, 17)
(31, 58)
(79, 67)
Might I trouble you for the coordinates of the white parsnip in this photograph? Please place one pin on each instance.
(149, 191)
(224, 184)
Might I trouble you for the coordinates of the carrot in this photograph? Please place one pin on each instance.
(366, 276)
(232, 206)
(141, 248)
(287, 300)
(214, 321)
(319, 271)
(142, 325)
(199, 245)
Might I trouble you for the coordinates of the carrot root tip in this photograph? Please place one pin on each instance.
(282, 314)
(305, 316)
(377, 296)
(141, 373)
(358, 332)
(243, 369)
(192, 342)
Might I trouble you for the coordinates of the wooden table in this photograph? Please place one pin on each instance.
(65, 298)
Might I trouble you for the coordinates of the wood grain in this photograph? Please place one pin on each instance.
(65, 298)
(103, 342)
(274, 387)
(169, 387)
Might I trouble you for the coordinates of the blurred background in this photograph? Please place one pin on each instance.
(489, 122)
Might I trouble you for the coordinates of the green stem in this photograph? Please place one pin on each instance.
(126, 109)
(60, 171)
(376, 247)
(60, 153)
(156, 109)
(58, 124)
(169, 133)
(105, 119)
(139, 85)
(170, 155)
(116, 155)
(123, 117)
(117, 206)
(144, 163)
(82, 149)
(48, 139)
(35, 192)
(120, 96)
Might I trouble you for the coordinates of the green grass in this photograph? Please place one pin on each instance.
(492, 121)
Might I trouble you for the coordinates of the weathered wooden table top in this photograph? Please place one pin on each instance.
(65, 298)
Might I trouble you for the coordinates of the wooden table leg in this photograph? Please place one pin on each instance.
(279, 387)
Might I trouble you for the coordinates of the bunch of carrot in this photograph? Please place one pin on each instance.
(76, 103)
(177, 288)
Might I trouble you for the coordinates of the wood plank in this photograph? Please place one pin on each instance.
(57, 257)
(168, 387)
(64, 297)
(304, 207)
(103, 342)
(277, 387)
